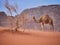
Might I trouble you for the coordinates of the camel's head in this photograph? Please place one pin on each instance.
(33, 17)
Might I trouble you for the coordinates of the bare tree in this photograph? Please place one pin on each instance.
(12, 8)
(24, 20)
(17, 24)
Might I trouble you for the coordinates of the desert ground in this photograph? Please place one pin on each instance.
(29, 37)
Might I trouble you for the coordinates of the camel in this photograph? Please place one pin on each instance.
(45, 19)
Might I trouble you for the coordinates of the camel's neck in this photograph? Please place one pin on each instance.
(36, 20)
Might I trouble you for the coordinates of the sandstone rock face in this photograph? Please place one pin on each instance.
(52, 10)
(3, 19)
(26, 17)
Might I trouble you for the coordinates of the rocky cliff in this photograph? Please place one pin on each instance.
(52, 10)
(26, 17)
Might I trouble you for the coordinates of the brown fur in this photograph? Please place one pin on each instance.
(45, 19)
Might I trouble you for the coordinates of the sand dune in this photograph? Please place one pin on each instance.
(29, 37)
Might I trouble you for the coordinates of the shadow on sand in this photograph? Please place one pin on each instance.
(14, 32)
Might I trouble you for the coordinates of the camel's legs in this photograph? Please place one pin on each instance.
(51, 27)
(42, 26)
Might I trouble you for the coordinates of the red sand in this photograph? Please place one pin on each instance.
(29, 38)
